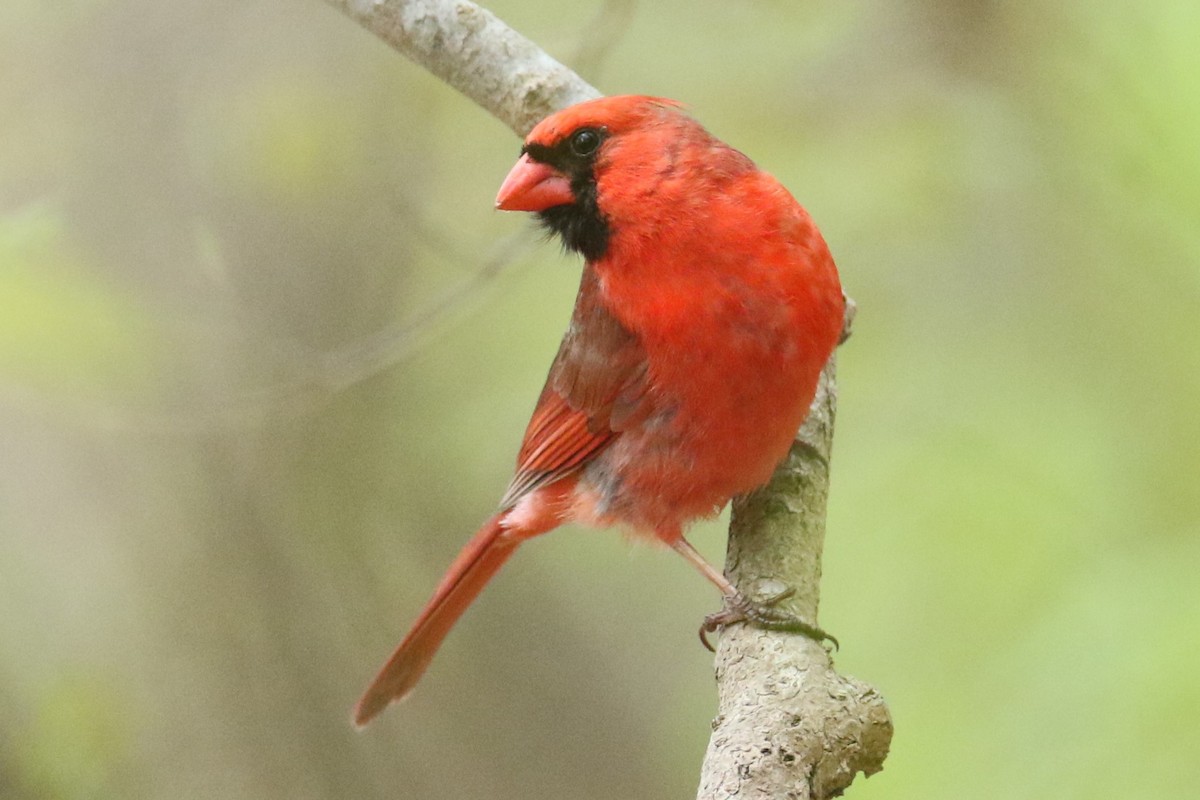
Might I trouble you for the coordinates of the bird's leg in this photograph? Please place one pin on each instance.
(739, 608)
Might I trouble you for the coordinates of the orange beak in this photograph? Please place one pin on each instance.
(533, 186)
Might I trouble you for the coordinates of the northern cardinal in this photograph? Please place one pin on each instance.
(707, 307)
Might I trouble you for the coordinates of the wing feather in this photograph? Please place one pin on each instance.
(598, 386)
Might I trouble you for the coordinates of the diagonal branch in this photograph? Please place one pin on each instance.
(788, 725)
(469, 48)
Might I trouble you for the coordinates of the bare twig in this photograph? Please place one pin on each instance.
(373, 354)
(601, 35)
(311, 377)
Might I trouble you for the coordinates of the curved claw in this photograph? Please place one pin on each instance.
(739, 608)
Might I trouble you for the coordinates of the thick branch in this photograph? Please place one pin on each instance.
(788, 725)
(473, 51)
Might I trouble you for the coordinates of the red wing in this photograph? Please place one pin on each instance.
(558, 443)
(597, 388)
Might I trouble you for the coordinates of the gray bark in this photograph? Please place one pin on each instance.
(469, 48)
(788, 725)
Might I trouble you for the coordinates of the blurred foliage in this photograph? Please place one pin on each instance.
(64, 331)
(210, 540)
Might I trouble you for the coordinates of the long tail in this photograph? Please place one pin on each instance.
(475, 565)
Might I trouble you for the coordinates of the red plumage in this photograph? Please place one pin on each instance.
(709, 304)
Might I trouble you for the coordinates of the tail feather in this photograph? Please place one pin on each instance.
(475, 565)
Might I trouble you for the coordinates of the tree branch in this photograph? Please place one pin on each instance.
(787, 724)
(469, 48)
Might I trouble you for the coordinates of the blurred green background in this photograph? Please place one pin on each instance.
(218, 514)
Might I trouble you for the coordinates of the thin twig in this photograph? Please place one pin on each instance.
(602, 33)
(370, 355)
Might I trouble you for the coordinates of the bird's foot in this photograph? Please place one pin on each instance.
(739, 608)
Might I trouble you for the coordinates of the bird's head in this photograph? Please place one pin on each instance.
(575, 162)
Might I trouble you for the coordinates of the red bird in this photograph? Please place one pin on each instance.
(708, 305)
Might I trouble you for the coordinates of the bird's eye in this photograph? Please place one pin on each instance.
(584, 142)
